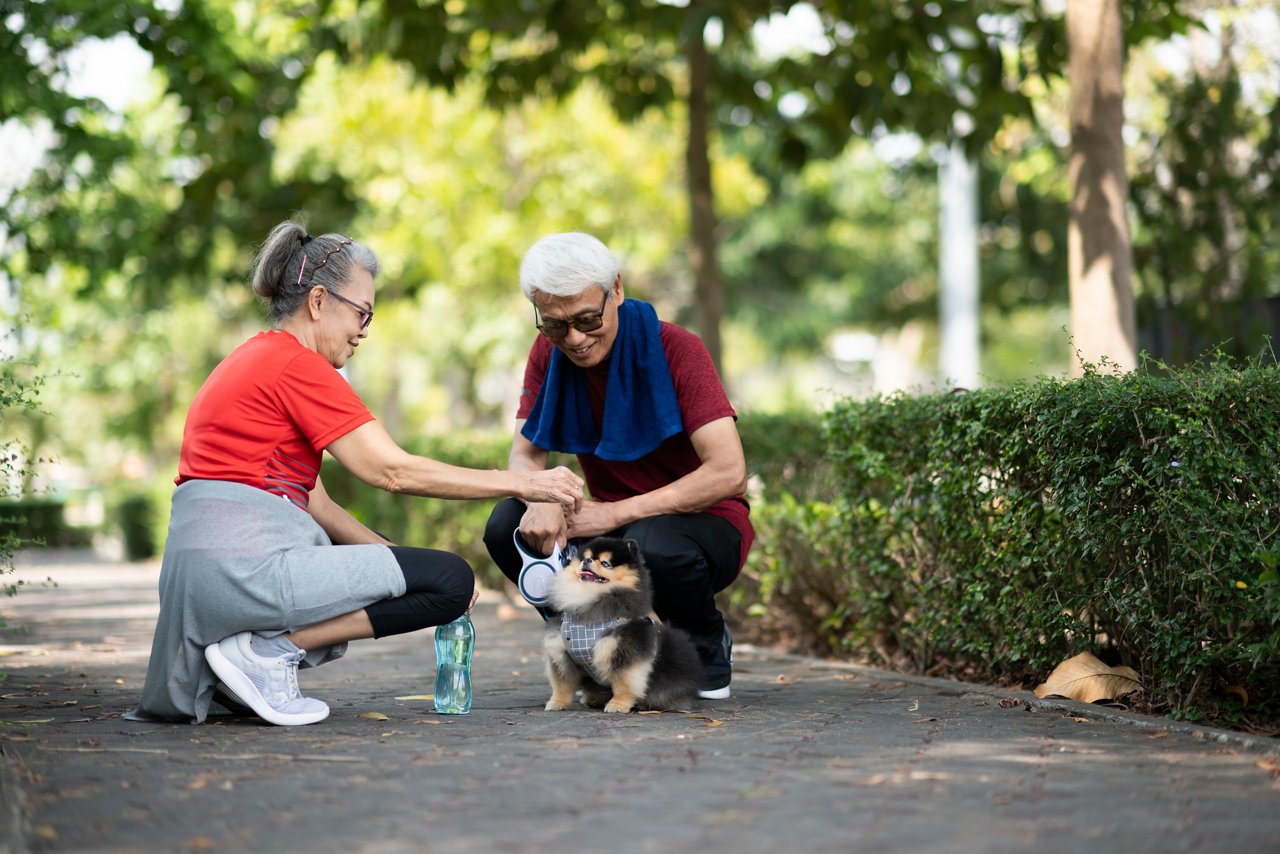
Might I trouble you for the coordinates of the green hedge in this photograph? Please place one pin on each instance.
(998, 532)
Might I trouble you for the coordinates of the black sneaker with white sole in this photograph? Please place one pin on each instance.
(719, 671)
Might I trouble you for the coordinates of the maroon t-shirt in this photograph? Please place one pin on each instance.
(701, 399)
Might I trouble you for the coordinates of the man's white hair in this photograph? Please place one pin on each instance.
(565, 265)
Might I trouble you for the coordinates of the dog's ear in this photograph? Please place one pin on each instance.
(633, 550)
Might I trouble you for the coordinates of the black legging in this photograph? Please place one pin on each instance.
(691, 557)
(438, 587)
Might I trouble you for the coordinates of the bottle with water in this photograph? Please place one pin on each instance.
(454, 644)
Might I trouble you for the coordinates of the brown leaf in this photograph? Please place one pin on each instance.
(1239, 691)
(374, 716)
(1087, 679)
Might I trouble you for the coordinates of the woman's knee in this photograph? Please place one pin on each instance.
(457, 580)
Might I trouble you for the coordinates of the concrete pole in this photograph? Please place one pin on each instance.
(958, 269)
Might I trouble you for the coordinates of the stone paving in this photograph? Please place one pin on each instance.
(806, 755)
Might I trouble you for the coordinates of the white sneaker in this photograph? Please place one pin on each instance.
(269, 686)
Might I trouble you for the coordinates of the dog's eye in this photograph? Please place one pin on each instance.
(605, 564)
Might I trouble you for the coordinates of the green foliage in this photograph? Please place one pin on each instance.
(992, 534)
(1025, 525)
(136, 518)
(19, 395)
(1206, 192)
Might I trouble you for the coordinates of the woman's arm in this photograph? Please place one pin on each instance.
(369, 453)
(343, 528)
(722, 474)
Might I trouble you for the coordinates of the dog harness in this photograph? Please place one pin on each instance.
(580, 638)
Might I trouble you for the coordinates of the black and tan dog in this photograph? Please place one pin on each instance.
(608, 643)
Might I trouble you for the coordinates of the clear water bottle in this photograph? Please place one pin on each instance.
(454, 644)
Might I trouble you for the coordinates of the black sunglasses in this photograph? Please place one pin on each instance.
(557, 329)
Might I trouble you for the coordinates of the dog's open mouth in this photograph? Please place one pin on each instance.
(588, 575)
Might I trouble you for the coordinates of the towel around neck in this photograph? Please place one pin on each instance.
(640, 407)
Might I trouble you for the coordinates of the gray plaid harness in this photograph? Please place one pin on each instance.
(580, 638)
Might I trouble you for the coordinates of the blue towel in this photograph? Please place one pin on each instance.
(640, 409)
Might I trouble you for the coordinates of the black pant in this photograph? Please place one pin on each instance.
(690, 558)
(438, 587)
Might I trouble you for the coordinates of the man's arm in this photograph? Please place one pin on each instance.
(722, 474)
(343, 528)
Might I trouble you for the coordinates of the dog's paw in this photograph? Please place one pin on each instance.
(555, 705)
(616, 705)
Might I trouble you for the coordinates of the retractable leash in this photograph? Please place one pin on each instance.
(538, 572)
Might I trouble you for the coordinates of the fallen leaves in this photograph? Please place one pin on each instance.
(1238, 691)
(1087, 679)
(374, 716)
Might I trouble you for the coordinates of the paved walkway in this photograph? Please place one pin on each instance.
(806, 756)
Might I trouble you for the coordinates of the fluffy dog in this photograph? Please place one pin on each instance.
(608, 643)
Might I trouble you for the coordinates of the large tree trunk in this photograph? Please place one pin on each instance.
(708, 305)
(1099, 253)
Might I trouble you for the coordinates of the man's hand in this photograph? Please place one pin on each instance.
(594, 518)
(543, 527)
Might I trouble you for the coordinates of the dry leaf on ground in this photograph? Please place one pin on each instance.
(376, 716)
(1087, 679)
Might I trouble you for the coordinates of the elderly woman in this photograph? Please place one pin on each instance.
(262, 571)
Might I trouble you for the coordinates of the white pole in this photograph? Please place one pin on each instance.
(958, 269)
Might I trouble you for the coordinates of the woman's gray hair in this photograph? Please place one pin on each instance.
(330, 260)
(565, 265)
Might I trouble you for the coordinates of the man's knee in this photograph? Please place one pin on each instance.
(502, 523)
(669, 554)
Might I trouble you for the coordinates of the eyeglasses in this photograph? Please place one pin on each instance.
(366, 314)
(558, 329)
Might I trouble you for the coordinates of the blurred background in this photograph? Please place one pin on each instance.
(774, 175)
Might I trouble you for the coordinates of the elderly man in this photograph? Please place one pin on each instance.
(639, 402)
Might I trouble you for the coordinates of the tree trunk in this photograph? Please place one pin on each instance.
(708, 300)
(1100, 259)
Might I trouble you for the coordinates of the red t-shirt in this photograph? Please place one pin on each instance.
(264, 416)
(701, 399)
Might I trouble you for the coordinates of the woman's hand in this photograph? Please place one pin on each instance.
(553, 486)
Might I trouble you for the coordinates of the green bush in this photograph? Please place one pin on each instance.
(998, 532)
(135, 516)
